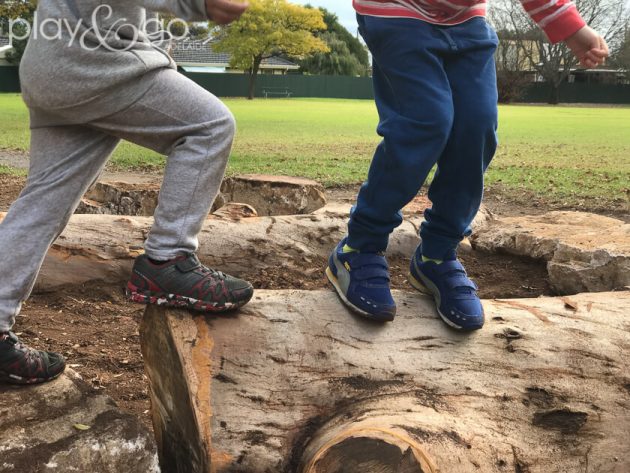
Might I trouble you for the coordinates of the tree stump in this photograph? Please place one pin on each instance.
(273, 195)
(294, 383)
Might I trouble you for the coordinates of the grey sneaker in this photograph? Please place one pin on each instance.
(185, 282)
(20, 364)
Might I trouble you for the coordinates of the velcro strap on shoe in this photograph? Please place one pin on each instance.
(363, 274)
(458, 281)
(189, 264)
(362, 260)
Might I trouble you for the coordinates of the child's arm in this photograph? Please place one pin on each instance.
(561, 21)
(588, 46)
(219, 11)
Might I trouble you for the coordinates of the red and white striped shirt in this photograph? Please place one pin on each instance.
(558, 18)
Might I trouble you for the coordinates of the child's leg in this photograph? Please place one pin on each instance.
(414, 102)
(180, 119)
(415, 107)
(64, 162)
(457, 188)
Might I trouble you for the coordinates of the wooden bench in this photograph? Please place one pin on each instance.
(279, 91)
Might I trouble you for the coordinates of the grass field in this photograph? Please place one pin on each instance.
(571, 153)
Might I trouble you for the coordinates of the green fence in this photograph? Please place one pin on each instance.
(236, 85)
(579, 93)
(9, 79)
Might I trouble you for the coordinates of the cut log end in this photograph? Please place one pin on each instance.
(373, 450)
(177, 422)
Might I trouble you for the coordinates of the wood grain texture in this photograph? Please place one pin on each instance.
(103, 247)
(300, 385)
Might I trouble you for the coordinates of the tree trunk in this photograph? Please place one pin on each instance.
(251, 92)
(103, 247)
(554, 93)
(296, 384)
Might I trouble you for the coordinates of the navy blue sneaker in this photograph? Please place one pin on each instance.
(455, 294)
(362, 282)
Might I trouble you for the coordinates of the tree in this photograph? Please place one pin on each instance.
(12, 10)
(554, 62)
(180, 29)
(347, 55)
(621, 56)
(512, 68)
(270, 28)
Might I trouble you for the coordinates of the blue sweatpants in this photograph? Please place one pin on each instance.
(436, 95)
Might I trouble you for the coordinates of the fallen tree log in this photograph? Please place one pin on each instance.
(294, 383)
(102, 247)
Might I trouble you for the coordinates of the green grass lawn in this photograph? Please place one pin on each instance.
(570, 153)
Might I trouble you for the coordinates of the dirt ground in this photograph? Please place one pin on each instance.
(96, 328)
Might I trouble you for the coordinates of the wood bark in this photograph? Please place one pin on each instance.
(294, 383)
(103, 247)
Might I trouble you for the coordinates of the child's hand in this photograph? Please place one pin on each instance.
(589, 47)
(225, 11)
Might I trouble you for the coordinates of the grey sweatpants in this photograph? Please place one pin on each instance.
(175, 117)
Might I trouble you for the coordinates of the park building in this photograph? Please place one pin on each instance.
(199, 56)
(4, 48)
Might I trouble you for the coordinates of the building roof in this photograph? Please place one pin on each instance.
(4, 41)
(200, 53)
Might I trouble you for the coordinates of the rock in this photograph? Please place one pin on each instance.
(483, 218)
(235, 211)
(63, 427)
(274, 195)
(584, 252)
(121, 194)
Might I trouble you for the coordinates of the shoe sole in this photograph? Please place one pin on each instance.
(174, 300)
(6, 378)
(333, 280)
(428, 288)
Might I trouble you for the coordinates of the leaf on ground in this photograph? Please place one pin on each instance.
(81, 427)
